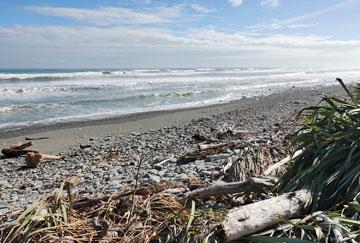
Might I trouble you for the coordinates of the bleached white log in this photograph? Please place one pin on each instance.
(252, 218)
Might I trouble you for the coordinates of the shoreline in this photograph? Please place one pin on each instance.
(64, 135)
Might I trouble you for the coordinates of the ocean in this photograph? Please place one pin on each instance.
(43, 96)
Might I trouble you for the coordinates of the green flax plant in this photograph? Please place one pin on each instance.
(330, 163)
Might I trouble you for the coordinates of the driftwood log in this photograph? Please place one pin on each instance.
(11, 153)
(253, 184)
(252, 218)
(17, 149)
(33, 158)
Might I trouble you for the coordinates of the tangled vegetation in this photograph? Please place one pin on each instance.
(145, 214)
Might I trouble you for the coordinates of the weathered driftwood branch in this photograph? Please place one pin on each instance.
(20, 145)
(11, 153)
(253, 184)
(282, 162)
(17, 149)
(252, 218)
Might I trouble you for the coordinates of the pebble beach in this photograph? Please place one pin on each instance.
(103, 155)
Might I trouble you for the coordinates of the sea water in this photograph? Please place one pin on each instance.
(35, 96)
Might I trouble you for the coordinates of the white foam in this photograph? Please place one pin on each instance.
(26, 107)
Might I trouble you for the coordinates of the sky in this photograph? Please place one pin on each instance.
(179, 34)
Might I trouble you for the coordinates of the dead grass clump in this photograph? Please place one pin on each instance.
(252, 161)
(150, 215)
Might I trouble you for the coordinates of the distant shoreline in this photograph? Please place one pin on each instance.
(63, 135)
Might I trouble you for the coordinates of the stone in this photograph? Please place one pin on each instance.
(158, 167)
(210, 173)
(4, 183)
(218, 157)
(182, 177)
(151, 179)
(116, 182)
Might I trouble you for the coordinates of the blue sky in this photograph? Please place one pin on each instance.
(149, 33)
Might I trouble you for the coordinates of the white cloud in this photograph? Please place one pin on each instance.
(142, 38)
(213, 37)
(114, 15)
(236, 3)
(276, 24)
(84, 46)
(270, 3)
(297, 22)
(200, 8)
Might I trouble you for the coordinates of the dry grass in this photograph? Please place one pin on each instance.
(253, 160)
(152, 215)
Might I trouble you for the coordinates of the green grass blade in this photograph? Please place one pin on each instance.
(268, 239)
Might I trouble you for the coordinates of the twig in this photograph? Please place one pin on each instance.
(40, 138)
(139, 160)
(162, 162)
